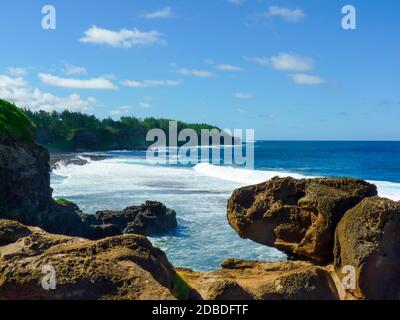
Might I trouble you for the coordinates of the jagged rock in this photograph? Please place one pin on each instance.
(147, 219)
(123, 267)
(296, 216)
(368, 239)
(252, 280)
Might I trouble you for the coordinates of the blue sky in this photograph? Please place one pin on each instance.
(285, 68)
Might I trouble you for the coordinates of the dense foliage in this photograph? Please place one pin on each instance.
(14, 124)
(75, 131)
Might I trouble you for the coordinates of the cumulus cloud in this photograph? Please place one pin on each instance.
(290, 15)
(19, 91)
(150, 83)
(17, 71)
(284, 62)
(163, 13)
(95, 83)
(228, 67)
(243, 95)
(123, 38)
(195, 73)
(70, 69)
(291, 62)
(304, 79)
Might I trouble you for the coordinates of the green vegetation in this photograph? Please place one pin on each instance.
(64, 202)
(14, 124)
(75, 131)
(180, 288)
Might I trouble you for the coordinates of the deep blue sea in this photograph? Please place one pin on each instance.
(199, 193)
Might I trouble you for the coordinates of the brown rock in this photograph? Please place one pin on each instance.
(11, 231)
(123, 267)
(298, 217)
(368, 239)
(252, 280)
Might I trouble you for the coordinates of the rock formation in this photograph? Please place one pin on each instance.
(148, 219)
(251, 280)
(26, 196)
(368, 239)
(298, 217)
(123, 267)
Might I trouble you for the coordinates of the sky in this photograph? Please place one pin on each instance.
(286, 69)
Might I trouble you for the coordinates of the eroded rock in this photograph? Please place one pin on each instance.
(252, 280)
(123, 267)
(368, 239)
(296, 216)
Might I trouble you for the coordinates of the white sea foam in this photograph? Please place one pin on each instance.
(390, 190)
(240, 175)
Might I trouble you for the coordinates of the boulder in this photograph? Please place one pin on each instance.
(150, 218)
(368, 239)
(252, 280)
(124, 267)
(298, 217)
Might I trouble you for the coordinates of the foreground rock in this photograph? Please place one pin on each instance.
(244, 280)
(298, 217)
(368, 239)
(124, 267)
(148, 219)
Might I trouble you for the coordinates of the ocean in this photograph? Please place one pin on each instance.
(199, 193)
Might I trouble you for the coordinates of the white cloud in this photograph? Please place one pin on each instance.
(163, 13)
(17, 72)
(228, 67)
(291, 62)
(70, 69)
(123, 38)
(195, 73)
(304, 79)
(19, 91)
(284, 61)
(121, 111)
(243, 95)
(150, 83)
(95, 83)
(290, 15)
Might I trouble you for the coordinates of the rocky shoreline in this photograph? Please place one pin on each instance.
(79, 159)
(342, 239)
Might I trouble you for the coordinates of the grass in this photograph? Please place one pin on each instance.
(63, 201)
(14, 123)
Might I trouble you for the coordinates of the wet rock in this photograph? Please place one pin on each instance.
(150, 218)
